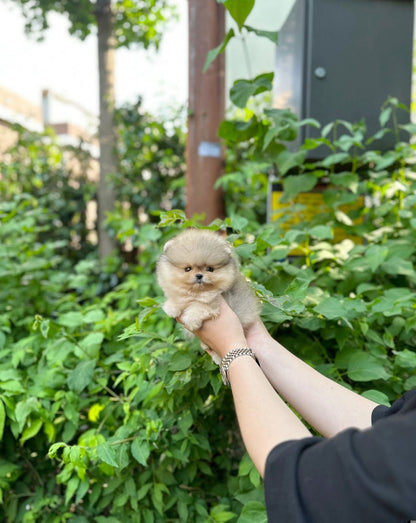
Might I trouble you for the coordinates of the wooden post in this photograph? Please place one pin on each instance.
(206, 110)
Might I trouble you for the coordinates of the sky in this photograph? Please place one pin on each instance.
(69, 67)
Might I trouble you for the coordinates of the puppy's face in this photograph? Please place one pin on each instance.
(198, 261)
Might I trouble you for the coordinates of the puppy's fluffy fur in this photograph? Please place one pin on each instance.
(196, 268)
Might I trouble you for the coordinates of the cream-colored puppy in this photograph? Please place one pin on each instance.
(197, 267)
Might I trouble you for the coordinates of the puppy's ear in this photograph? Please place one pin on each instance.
(227, 247)
(167, 245)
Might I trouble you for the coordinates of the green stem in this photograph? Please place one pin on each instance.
(247, 57)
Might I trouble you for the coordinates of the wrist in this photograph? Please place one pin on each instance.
(230, 357)
(257, 335)
(229, 345)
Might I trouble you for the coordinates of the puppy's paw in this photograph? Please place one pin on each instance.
(191, 321)
(171, 309)
(215, 358)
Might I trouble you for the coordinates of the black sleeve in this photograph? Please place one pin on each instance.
(360, 476)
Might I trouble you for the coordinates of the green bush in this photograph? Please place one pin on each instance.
(56, 176)
(151, 173)
(138, 428)
(108, 413)
(345, 303)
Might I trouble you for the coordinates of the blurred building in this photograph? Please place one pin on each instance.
(16, 110)
(74, 128)
(73, 125)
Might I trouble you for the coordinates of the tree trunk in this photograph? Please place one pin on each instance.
(106, 66)
(206, 110)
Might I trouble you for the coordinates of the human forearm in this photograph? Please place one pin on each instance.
(326, 405)
(264, 418)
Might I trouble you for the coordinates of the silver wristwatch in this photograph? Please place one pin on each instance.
(230, 357)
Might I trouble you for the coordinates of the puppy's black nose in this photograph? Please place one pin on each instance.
(199, 277)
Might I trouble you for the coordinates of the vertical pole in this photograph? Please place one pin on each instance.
(206, 110)
(108, 165)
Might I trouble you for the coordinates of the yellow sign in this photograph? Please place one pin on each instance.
(307, 206)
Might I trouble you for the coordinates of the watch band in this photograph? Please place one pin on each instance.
(230, 357)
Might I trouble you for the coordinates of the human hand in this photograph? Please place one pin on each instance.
(257, 335)
(222, 333)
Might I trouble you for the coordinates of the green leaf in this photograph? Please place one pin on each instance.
(410, 383)
(23, 409)
(142, 492)
(287, 160)
(237, 222)
(270, 35)
(377, 396)
(270, 136)
(154, 391)
(397, 265)
(345, 180)
(53, 449)
(273, 314)
(410, 128)
(183, 511)
(322, 232)
(147, 302)
(216, 382)
(140, 451)
(144, 314)
(92, 343)
(212, 55)
(220, 514)
(2, 419)
(332, 308)
(386, 160)
(405, 359)
(107, 454)
(31, 430)
(81, 376)
(335, 158)
(71, 488)
(82, 490)
(253, 512)
(327, 129)
(246, 465)
(385, 116)
(366, 367)
(94, 316)
(375, 256)
(312, 122)
(237, 130)
(180, 361)
(242, 90)
(296, 184)
(71, 319)
(239, 10)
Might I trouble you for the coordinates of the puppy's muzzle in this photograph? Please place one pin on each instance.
(198, 278)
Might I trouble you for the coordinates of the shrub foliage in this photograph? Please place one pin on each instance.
(108, 413)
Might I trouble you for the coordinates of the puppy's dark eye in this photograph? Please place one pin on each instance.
(210, 269)
(187, 269)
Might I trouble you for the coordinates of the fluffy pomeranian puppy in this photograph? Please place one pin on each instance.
(196, 267)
